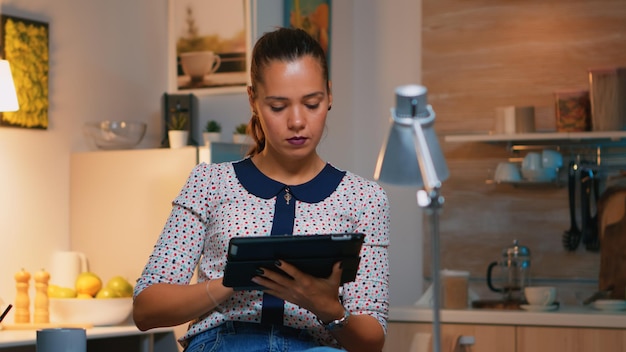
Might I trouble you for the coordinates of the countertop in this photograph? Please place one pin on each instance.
(564, 316)
(10, 338)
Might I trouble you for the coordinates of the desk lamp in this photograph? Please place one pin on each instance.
(411, 156)
(8, 97)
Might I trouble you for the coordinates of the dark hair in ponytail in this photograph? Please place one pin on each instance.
(283, 44)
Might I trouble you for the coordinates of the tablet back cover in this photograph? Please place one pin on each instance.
(313, 254)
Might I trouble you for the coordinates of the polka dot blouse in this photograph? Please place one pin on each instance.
(221, 201)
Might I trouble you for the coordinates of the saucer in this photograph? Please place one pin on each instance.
(610, 304)
(539, 308)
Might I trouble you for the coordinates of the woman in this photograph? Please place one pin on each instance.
(282, 186)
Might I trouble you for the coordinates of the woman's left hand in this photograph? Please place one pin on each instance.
(318, 295)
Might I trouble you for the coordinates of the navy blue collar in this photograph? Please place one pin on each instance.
(314, 191)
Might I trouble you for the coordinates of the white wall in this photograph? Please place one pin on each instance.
(108, 60)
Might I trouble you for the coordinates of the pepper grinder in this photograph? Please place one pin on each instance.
(22, 300)
(41, 314)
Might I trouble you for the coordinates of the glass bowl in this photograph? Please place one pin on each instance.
(115, 134)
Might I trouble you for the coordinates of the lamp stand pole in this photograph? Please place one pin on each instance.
(433, 209)
(431, 200)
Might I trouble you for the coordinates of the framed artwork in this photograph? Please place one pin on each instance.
(314, 17)
(24, 45)
(209, 46)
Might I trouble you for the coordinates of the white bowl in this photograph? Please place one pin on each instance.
(98, 312)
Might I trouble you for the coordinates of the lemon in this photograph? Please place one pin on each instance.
(120, 286)
(89, 283)
(55, 291)
(84, 296)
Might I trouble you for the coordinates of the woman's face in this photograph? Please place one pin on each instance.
(292, 104)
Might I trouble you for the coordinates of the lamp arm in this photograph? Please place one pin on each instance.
(424, 158)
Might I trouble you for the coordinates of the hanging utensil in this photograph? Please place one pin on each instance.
(591, 238)
(585, 196)
(571, 238)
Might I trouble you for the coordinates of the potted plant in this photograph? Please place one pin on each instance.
(212, 132)
(177, 129)
(239, 135)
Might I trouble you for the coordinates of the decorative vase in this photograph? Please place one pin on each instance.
(241, 138)
(211, 137)
(177, 138)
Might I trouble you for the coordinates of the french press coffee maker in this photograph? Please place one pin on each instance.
(514, 272)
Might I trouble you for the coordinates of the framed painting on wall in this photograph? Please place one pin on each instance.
(313, 16)
(209, 46)
(24, 45)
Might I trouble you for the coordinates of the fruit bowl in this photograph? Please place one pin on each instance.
(98, 312)
(115, 134)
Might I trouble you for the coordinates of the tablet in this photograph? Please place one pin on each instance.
(313, 254)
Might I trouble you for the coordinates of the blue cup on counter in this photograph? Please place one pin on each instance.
(62, 340)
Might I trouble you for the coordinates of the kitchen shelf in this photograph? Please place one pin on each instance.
(575, 137)
(528, 184)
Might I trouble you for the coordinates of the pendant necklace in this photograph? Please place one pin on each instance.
(287, 195)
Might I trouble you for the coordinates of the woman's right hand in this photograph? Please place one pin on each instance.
(317, 295)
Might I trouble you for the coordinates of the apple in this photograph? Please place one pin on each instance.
(120, 286)
(106, 293)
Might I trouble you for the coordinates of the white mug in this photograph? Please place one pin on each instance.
(65, 267)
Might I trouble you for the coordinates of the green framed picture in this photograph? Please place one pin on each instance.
(24, 45)
(314, 16)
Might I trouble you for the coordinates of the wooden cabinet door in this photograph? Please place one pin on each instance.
(549, 339)
(409, 337)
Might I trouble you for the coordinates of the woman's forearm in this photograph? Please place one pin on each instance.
(169, 305)
(362, 333)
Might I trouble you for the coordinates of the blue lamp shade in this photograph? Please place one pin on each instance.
(411, 141)
(8, 96)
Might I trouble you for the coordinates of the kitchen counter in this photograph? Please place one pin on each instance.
(146, 339)
(564, 316)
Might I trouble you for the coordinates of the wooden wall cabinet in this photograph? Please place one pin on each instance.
(403, 337)
(540, 339)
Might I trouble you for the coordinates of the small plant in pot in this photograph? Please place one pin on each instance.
(178, 133)
(177, 122)
(239, 135)
(212, 132)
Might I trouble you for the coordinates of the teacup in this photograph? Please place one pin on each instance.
(507, 172)
(540, 295)
(197, 64)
